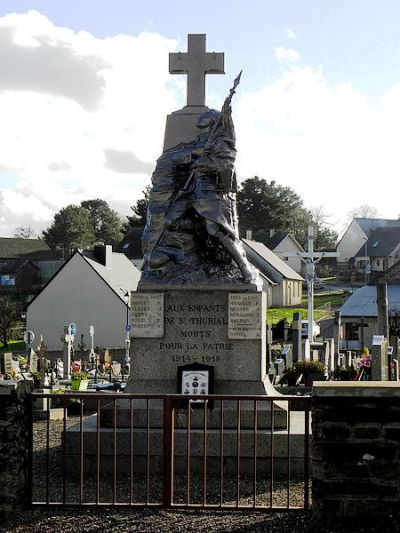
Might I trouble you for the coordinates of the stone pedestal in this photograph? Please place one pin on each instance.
(181, 125)
(224, 329)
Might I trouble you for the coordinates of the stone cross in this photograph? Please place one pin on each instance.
(310, 258)
(196, 63)
(68, 340)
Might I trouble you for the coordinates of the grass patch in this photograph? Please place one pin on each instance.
(14, 346)
(275, 314)
(335, 298)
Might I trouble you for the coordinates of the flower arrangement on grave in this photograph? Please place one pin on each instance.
(363, 364)
(311, 370)
(12, 375)
(23, 363)
(79, 380)
(37, 379)
(75, 367)
(366, 359)
(346, 373)
(309, 367)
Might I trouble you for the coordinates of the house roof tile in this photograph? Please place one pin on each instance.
(35, 249)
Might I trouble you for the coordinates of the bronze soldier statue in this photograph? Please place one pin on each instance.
(192, 205)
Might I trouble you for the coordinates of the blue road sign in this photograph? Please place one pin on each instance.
(128, 327)
(29, 337)
(72, 329)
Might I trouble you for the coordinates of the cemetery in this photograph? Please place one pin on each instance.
(194, 404)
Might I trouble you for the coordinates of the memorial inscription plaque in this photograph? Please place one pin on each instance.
(147, 315)
(244, 316)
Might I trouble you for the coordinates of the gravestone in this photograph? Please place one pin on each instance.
(379, 363)
(6, 363)
(297, 341)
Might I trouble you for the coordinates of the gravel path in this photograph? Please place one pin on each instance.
(155, 520)
(151, 521)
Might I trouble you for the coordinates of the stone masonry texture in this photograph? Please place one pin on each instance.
(356, 450)
(14, 445)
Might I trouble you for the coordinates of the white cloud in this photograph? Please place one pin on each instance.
(76, 112)
(287, 54)
(97, 129)
(37, 56)
(328, 142)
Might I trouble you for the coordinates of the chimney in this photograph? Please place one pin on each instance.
(271, 233)
(249, 234)
(103, 253)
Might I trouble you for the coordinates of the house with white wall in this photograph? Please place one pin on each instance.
(284, 245)
(357, 234)
(381, 250)
(89, 290)
(287, 283)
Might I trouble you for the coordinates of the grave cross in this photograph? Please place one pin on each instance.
(310, 258)
(196, 63)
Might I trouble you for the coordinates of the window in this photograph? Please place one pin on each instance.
(7, 280)
(352, 331)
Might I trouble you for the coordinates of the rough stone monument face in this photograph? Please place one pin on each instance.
(199, 301)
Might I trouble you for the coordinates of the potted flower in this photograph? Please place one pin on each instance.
(311, 370)
(79, 381)
(37, 379)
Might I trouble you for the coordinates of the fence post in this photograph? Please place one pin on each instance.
(15, 434)
(168, 481)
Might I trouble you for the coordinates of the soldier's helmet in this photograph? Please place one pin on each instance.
(208, 118)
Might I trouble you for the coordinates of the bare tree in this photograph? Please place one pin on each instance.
(24, 232)
(325, 236)
(363, 211)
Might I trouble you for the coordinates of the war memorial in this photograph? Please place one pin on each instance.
(199, 410)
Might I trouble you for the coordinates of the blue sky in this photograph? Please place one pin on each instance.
(86, 88)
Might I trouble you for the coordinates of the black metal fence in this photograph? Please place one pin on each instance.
(220, 452)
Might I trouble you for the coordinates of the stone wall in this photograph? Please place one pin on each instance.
(356, 448)
(14, 441)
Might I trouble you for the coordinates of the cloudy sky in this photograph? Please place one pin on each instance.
(85, 89)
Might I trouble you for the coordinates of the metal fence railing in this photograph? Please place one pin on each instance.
(117, 449)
